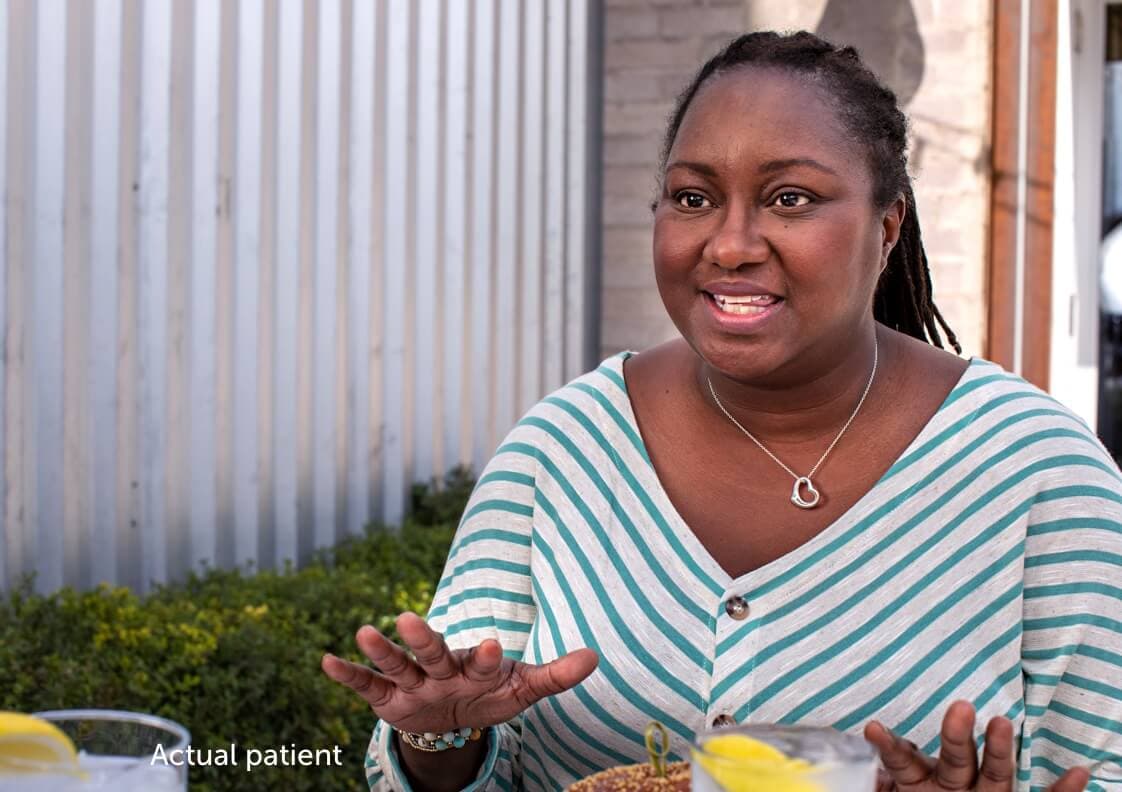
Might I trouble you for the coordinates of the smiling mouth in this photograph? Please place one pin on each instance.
(751, 305)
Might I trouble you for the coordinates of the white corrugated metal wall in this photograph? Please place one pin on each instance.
(267, 262)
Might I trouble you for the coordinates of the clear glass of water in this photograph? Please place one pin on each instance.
(115, 752)
(831, 761)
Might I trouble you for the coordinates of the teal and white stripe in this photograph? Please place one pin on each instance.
(986, 564)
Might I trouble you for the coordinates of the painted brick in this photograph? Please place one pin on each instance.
(714, 43)
(728, 19)
(630, 23)
(790, 15)
(630, 275)
(630, 182)
(635, 333)
(636, 118)
(627, 213)
(633, 149)
(635, 302)
(628, 243)
(612, 6)
(630, 85)
(683, 54)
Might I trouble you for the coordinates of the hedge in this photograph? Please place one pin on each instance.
(232, 655)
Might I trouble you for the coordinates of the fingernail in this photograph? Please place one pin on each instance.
(891, 734)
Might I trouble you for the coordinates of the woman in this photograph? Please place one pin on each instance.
(799, 511)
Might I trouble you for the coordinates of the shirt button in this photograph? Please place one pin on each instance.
(737, 608)
(721, 721)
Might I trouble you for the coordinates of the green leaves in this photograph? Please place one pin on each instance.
(231, 655)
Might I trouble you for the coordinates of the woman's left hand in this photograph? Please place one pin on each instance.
(909, 770)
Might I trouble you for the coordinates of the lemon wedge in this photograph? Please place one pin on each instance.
(740, 748)
(29, 745)
(742, 764)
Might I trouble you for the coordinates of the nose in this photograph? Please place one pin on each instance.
(737, 241)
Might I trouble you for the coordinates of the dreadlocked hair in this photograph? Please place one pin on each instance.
(868, 110)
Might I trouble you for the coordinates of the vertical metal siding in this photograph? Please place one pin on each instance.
(48, 297)
(263, 264)
(6, 551)
(203, 444)
(100, 455)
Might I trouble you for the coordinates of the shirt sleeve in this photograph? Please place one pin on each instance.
(484, 592)
(1071, 656)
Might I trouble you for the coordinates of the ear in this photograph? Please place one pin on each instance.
(891, 223)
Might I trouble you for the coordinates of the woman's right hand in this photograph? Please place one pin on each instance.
(438, 689)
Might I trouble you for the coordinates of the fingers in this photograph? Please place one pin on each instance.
(1074, 780)
(373, 687)
(957, 766)
(560, 675)
(390, 658)
(996, 773)
(428, 646)
(482, 663)
(884, 781)
(900, 758)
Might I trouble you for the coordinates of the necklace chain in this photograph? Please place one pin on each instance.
(822, 458)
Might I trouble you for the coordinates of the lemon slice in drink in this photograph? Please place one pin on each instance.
(31, 745)
(740, 748)
(741, 764)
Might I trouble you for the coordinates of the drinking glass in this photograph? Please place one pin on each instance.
(116, 751)
(832, 761)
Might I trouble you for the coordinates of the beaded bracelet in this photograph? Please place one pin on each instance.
(431, 742)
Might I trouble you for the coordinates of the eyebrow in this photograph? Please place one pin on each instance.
(795, 162)
(771, 166)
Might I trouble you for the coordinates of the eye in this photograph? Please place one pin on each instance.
(692, 200)
(791, 200)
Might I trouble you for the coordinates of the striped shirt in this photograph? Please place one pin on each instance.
(986, 564)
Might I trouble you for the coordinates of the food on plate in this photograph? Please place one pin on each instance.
(637, 778)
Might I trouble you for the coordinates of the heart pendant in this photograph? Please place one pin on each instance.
(797, 497)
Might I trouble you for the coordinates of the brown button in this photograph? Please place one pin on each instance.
(722, 721)
(737, 608)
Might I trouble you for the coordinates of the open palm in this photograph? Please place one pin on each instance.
(909, 770)
(439, 689)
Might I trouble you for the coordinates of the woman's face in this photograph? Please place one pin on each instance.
(767, 246)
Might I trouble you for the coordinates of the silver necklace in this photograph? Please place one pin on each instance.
(803, 481)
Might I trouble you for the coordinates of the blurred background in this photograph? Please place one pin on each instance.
(264, 264)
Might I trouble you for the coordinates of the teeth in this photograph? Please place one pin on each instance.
(733, 308)
(751, 299)
(746, 305)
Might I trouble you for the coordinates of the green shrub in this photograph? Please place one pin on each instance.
(231, 655)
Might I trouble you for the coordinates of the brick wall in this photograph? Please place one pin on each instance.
(936, 57)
